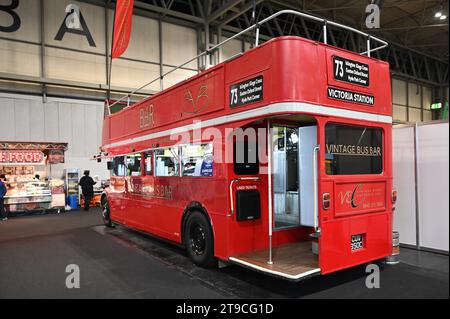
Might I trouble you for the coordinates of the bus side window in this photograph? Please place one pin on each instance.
(167, 161)
(197, 160)
(118, 166)
(133, 163)
(148, 163)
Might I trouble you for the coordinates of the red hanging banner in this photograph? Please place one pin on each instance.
(122, 27)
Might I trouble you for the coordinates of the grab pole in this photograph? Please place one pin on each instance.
(269, 179)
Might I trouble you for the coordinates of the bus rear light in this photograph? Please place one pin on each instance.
(326, 200)
(394, 196)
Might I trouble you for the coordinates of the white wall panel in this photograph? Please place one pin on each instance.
(427, 97)
(99, 119)
(144, 44)
(51, 122)
(399, 113)
(427, 116)
(78, 123)
(75, 66)
(176, 77)
(433, 174)
(22, 115)
(78, 132)
(90, 127)
(230, 49)
(15, 57)
(134, 74)
(65, 124)
(37, 128)
(398, 92)
(415, 115)
(94, 17)
(179, 45)
(19, 58)
(28, 11)
(414, 95)
(404, 183)
(7, 128)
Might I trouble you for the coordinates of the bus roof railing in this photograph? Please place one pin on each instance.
(257, 26)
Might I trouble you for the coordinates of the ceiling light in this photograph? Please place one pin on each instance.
(443, 17)
(438, 14)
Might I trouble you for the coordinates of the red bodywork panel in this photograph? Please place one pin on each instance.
(294, 70)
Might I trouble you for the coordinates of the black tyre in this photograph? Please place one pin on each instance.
(106, 213)
(199, 241)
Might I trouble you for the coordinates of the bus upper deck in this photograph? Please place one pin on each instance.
(286, 74)
(321, 168)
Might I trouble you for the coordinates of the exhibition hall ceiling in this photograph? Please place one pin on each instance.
(414, 24)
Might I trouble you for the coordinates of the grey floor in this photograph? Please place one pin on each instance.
(119, 263)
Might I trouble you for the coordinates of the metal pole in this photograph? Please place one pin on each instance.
(316, 188)
(325, 39)
(407, 101)
(44, 87)
(368, 46)
(269, 182)
(220, 50)
(257, 37)
(110, 52)
(161, 68)
(207, 64)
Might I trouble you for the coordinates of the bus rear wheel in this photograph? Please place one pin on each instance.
(106, 213)
(198, 239)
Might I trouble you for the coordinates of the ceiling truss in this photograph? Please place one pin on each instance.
(228, 17)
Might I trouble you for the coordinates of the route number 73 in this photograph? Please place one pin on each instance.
(339, 68)
(234, 96)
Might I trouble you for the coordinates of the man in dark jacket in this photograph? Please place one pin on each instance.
(87, 187)
(3, 192)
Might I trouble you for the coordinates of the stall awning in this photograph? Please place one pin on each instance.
(31, 146)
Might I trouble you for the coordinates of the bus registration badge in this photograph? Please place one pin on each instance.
(357, 242)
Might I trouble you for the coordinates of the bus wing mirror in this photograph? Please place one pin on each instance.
(109, 165)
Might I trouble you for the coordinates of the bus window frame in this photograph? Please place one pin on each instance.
(195, 144)
(179, 160)
(144, 170)
(140, 165)
(352, 123)
(179, 146)
(124, 163)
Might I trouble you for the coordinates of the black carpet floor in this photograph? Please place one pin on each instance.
(119, 263)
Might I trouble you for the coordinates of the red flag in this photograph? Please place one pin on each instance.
(122, 27)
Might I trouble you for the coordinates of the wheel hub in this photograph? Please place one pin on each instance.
(197, 239)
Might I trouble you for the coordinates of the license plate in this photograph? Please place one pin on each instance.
(357, 242)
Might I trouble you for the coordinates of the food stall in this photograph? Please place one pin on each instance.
(20, 162)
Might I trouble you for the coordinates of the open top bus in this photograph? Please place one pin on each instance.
(278, 160)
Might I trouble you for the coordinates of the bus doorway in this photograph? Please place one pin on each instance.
(293, 176)
(290, 213)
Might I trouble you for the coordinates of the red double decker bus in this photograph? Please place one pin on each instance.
(278, 160)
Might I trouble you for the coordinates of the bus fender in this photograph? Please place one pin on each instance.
(190, 208)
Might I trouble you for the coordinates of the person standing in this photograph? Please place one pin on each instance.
(87, 188)
(3, 191)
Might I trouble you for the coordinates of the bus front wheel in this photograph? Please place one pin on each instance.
(198, 239)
